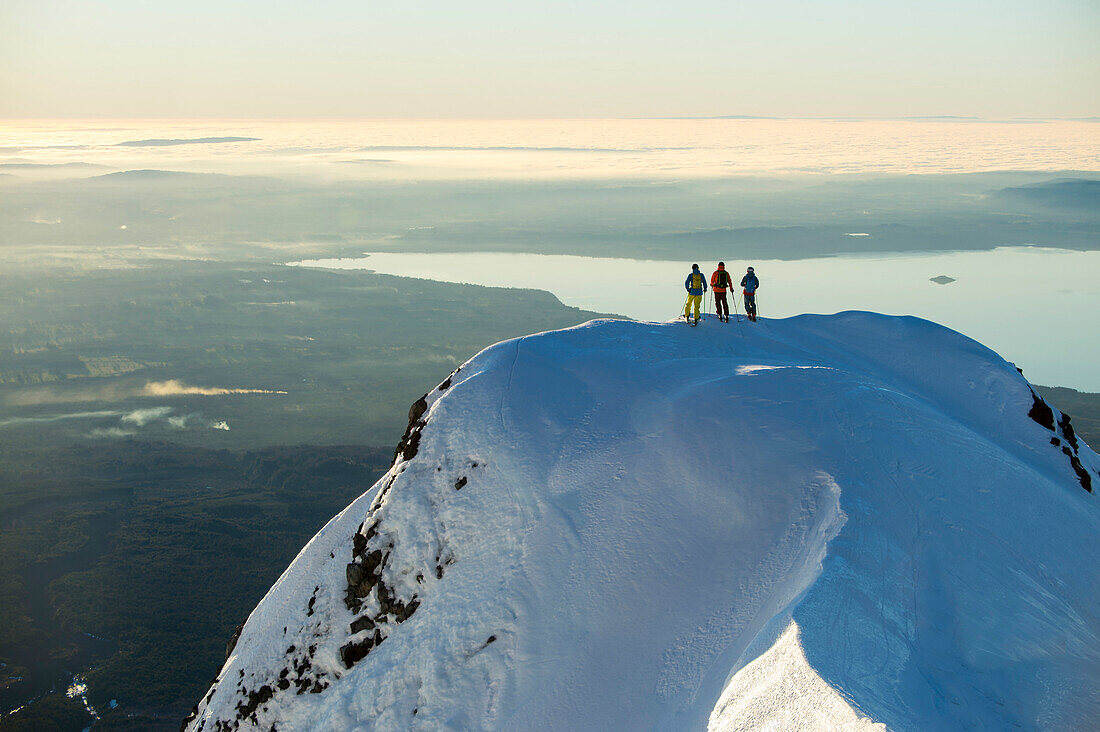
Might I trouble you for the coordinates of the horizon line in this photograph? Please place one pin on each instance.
(725, 117)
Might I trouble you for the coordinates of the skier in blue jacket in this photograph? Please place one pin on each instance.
(750, 283)
(696, 285)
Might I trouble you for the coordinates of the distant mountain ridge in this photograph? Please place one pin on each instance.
(41, 166)
(1070, 193)
(154, 174)
(169, 142)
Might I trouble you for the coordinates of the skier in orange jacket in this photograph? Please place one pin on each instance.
(719, 281)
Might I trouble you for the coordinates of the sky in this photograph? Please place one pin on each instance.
(555, 59)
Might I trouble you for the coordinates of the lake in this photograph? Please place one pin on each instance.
(1037, 307)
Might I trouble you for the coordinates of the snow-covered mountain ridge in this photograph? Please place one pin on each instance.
(834, 522)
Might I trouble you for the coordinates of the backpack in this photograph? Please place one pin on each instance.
(721, 279)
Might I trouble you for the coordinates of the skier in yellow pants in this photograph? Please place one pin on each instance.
(696, 285)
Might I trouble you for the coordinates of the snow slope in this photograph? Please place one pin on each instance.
(845, 522)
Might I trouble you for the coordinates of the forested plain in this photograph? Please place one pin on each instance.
(172, 434)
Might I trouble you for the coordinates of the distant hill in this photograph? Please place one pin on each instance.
(41, 166)
(155, 176)
(144, 174)
(1072, 193)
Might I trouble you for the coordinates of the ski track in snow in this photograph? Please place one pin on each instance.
(844, 522)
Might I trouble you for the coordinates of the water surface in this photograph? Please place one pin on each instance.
(1037, 307)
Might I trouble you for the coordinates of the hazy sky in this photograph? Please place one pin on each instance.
(579, 58)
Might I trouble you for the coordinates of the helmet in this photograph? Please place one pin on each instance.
(695, 266)
(721, 264)
(750, 269)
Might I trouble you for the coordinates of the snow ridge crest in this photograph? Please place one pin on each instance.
(642, 525)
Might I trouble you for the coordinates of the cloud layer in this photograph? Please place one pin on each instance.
(173, 387)
(41, 395)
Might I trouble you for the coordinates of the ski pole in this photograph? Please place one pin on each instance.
(686, 305)
(740, 326)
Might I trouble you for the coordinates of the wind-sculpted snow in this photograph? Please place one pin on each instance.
(845, 522)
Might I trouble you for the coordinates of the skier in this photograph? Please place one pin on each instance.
(719, 281)
(696, 285)
(750, 283)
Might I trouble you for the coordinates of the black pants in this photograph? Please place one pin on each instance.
(750, 304)
(720, 303)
